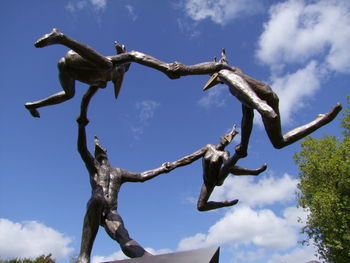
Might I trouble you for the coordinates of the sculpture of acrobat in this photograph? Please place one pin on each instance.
(217, 165)
(257, 95)
(81, 63)
(105, 183)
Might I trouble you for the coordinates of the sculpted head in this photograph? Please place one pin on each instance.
(100, 152)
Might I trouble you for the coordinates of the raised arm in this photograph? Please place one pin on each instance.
(146, 175)
(82, 122)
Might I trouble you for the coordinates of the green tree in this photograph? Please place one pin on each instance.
(40, 259)
(324, 171)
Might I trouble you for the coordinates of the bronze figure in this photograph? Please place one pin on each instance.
(105, 183)
(254, 94)
(80, 63)
(217, 165)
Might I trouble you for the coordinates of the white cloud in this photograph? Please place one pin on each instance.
(312, 35)
(131, 11)
(245, 226)
(242, 225)
(220, 11)
(266, 191)
(299, 30)
(292, 89)
(146, 110)
(31, 239)
(97, 5)
(115, 256)
(304, 254)
(213, 98)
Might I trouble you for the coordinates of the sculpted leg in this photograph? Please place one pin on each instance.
(204, 205)
(91, 224)
(246, 130)
(273, 128)
(115, 228)
(237, 170)
(68, 85)
(57, 37)
(273, 125)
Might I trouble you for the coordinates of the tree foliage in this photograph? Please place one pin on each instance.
(40, 259)
(324, 171)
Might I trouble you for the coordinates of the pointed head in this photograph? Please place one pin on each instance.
(227, 138)
(100, 152)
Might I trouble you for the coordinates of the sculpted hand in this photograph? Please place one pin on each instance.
(167, 167)
(82, 120)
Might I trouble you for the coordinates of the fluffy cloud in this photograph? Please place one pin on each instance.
(292, 88)
(312, 35)
(267, 191)
(245, 226)
(299, 30)
(220, 11)
(31, 239)
(304, 254)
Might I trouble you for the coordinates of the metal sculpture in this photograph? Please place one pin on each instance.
(84, 64)
(105, 183)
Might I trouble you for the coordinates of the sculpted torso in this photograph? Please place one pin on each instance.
(212, 162)
(106, 182)
(85, 71)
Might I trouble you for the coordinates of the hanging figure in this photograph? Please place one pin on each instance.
(217, 165)
(254, 94)
(81, 63)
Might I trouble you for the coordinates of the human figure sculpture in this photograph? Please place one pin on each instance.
(80, 63)
(106, 182)
(254, 94)
(217, 165)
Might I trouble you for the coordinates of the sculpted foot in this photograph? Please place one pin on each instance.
(32, 111)
(231, 203)
(332, 113)
(53, 37)
(82, 259)
(241, 151)
(261, 169)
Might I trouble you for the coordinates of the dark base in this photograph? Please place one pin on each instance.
(208, 255)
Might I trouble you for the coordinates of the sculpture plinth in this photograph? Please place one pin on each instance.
(207, 255)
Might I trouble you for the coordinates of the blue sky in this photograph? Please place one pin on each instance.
(299, 47)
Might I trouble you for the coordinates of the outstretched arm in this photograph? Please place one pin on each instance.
(82, 122)
(146, 175)
(165, 168)
(172, 70)
(189, 158)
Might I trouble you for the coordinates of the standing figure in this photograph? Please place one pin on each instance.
(254, 94)
(217, 165)
(106, 182)
(80, 63)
